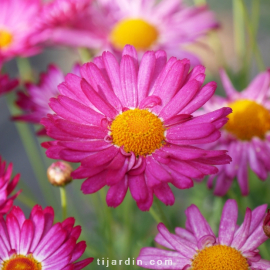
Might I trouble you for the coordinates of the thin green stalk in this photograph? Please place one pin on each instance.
(158, 214)
(63, 201)
(239, 30)
(199, 2)
(29, 142)
(25, 69)
(85, 54)
(252, 37)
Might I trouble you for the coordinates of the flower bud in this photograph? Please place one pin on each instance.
(266, 224)
(59, 173)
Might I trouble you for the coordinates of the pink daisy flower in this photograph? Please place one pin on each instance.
(36, 244)
(18, 19)
(7, 84)
(6, 187)
(145, 24)
(35, 101)
(246, 135)
(131, 126)
(196, 247)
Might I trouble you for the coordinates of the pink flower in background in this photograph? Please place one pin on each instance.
(196, 247)
(35, 101)
(18, 19)
(246, 135)
(35, 243)
(131, 126)
(145, 24)
(6, 187)
(7, 84)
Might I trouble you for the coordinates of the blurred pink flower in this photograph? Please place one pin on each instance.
(131, 126)
(6, 187)
(35, 101)
(7, 84)
(196, 247)
(18, 21)
(35, 243)
(145, 24)
(246, 135)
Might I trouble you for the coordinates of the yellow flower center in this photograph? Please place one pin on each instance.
(219, 257)
(136, 32)
(139, 131)
(21, 262)
(5, 38)
(249, 119)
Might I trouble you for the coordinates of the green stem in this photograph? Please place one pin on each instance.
(158, 214)
(239, 30)
(85, 55)
(63, 201)
(252, 37)
(31, 148)
(25, 69)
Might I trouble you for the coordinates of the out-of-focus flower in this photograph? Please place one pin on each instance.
(131, 126)
(59, 173)
(7, 186)
(7, 84)
(36, 244)
(246, 135)
(35, 101)
(145, 24)
(266, 224)
(196, 247)
(18, 20)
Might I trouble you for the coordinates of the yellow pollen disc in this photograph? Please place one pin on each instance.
(136, 32)
(139, 131)
(219, 257)
(21, 262)
(248, 119)
(5, 38)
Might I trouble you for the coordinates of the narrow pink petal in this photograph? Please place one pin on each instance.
(180, 100)
(94, 183)
(198, 224)
(117, 193)
(150, 102)
(128, 75)
(164, 194)
(228, 87)
(228, 221)
(138, 188)
(95, 78)
(100, 103)
(243, 232)
(100, 158)
(146, 71)
(27, 233)
(113, 71)
(200, 99)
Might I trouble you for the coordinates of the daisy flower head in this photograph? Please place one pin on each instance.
(38, 244)
(196, 247)
(18, 19)
(246, 135)
(7, 185)
(131, 126)
(34, 102)
(146, 24)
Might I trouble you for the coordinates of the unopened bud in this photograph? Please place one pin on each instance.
(59, 173)
(266, 224)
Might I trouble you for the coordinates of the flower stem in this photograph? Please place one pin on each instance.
(25, 69)
(63, 201)
(158, 214)
(252, 37)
